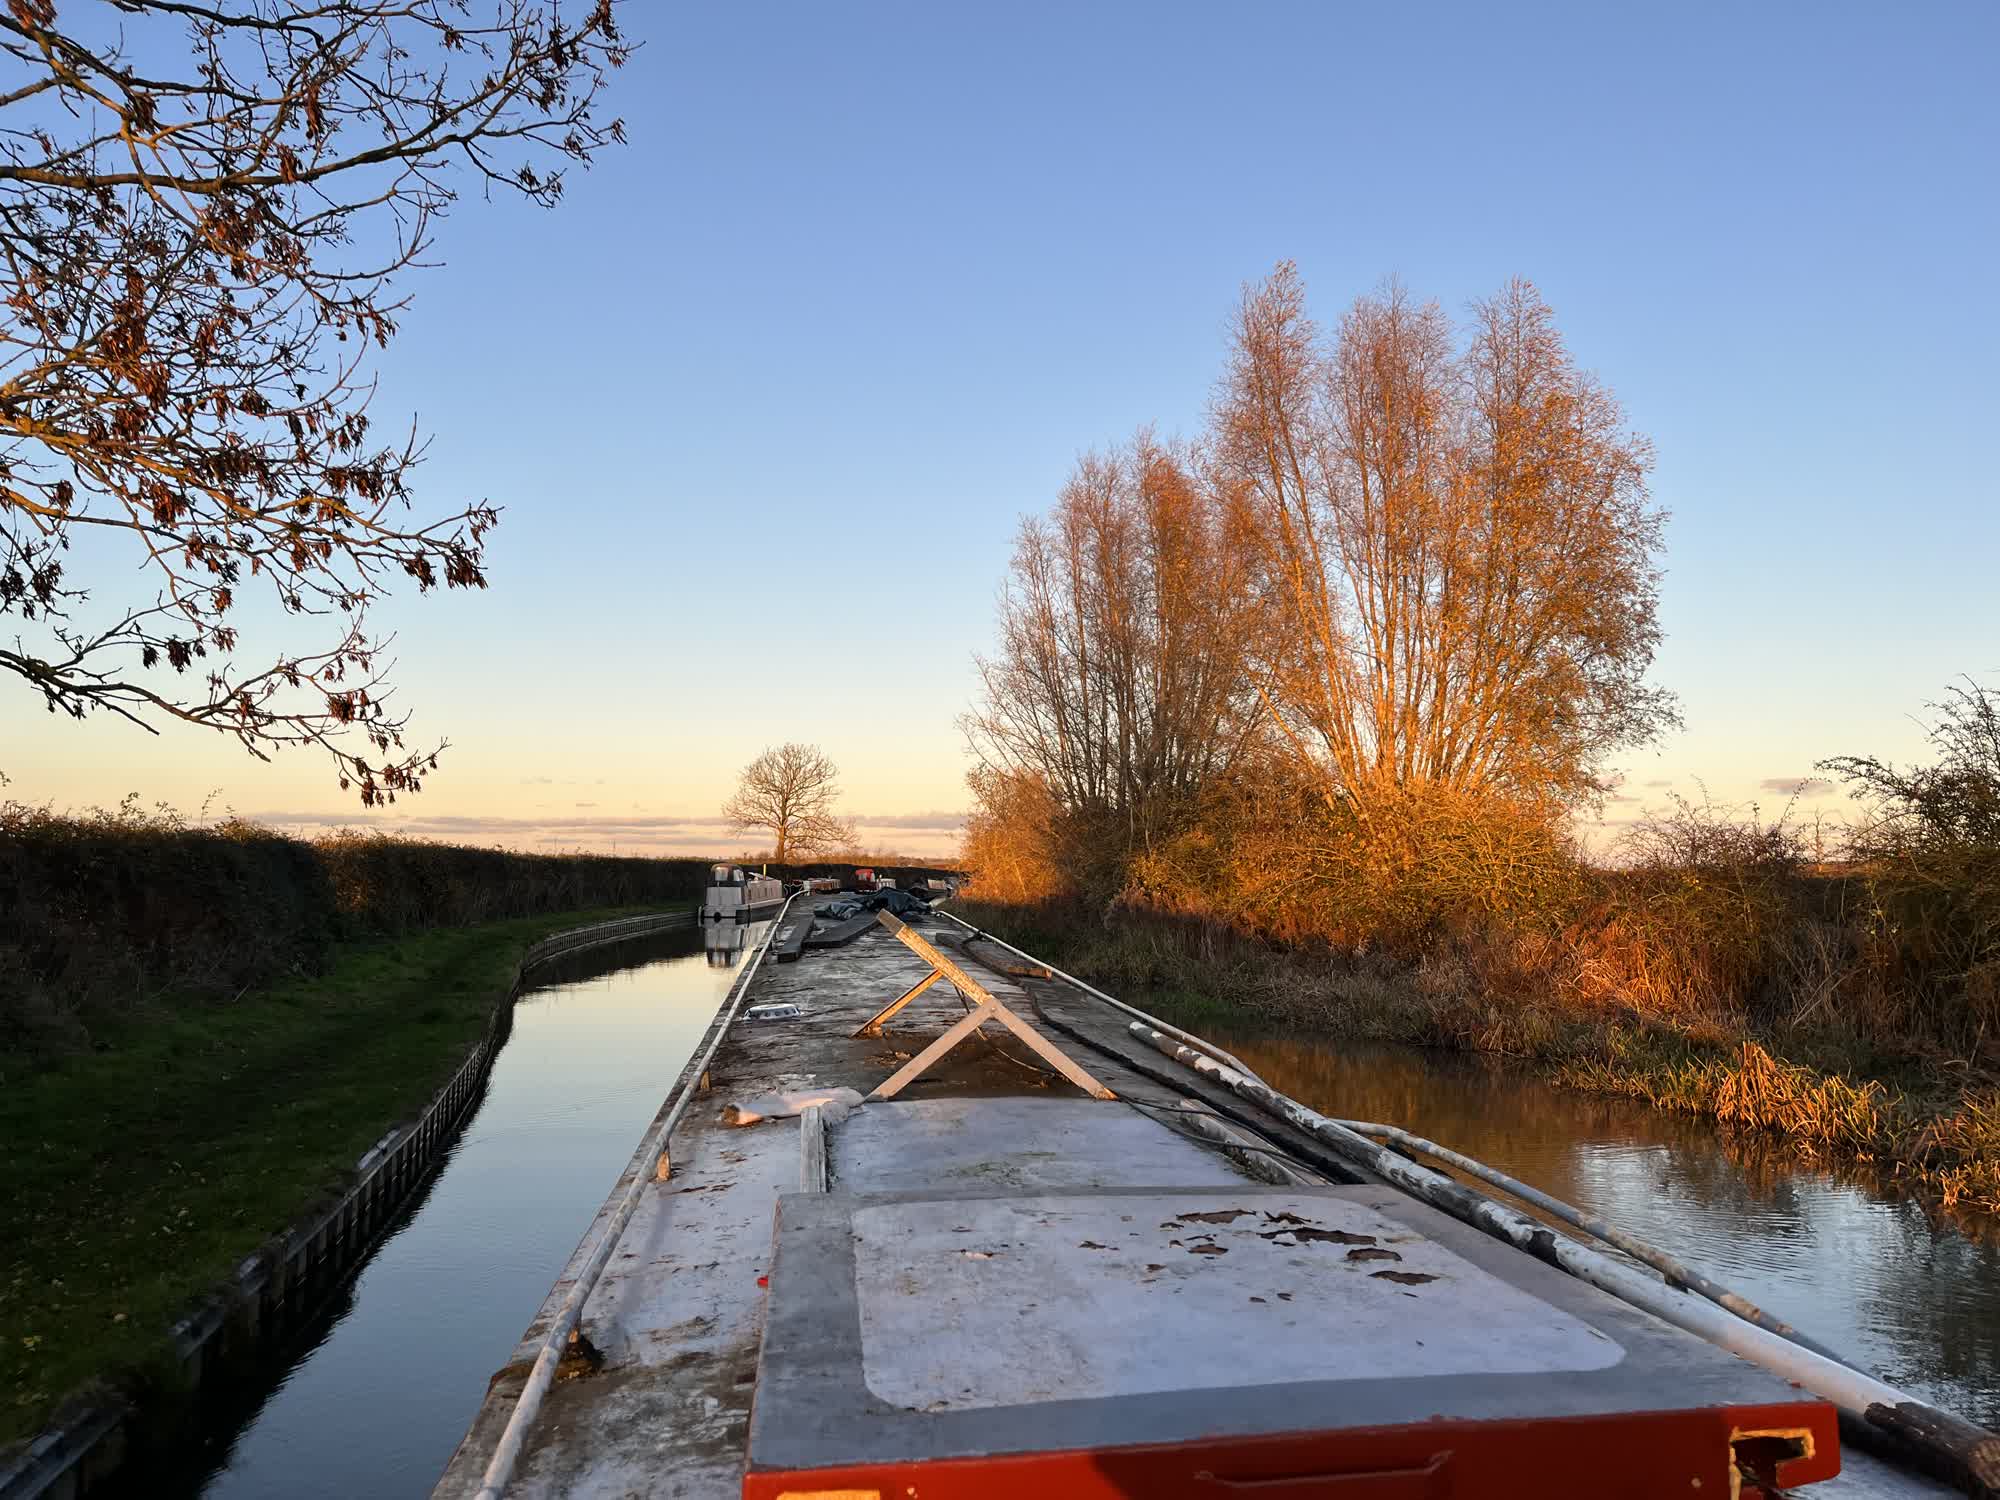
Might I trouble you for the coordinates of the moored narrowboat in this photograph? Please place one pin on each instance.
(734, 893)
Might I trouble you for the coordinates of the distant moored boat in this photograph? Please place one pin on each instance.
(735, 892)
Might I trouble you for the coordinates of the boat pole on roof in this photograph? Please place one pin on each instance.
(1677, 1271)
(1967, 1455)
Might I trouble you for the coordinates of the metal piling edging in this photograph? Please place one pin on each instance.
(278, 1281)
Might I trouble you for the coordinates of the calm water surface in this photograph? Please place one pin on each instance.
(378, 1403)
(1840, 1257)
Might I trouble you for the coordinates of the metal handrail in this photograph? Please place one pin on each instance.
(500, 1470)
(577, 939)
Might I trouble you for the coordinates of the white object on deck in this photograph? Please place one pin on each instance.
(779, 1010)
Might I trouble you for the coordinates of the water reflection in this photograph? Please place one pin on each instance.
(610, 958)
(1839, 1255)
(378, 1401)
(726, 942)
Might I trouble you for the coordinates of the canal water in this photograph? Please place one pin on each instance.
(377, 1399)
(1837, 1254)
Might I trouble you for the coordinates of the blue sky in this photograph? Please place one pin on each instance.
(765, 399)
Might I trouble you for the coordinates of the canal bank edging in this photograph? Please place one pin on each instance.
(284, 1284)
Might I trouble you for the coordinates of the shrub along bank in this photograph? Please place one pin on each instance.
(1834, 1085)
(1721, 964)
(138, 1174)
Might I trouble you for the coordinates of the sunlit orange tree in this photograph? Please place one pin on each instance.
(204, 208)
(1118, 691)
(1364, 645)
(1451, 532)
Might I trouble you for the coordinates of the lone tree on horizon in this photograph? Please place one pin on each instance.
(203, 208)
(790, 792)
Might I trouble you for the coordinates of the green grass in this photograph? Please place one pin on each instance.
(135, 1177)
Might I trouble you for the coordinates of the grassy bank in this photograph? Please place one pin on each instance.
(138, 1174)
(1833, 1092)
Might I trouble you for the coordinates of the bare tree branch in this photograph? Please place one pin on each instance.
(203, 210)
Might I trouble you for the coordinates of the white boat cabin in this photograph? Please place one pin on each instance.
(736, 892)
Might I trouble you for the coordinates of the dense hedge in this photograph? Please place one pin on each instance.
(101, 913)
(107, 911)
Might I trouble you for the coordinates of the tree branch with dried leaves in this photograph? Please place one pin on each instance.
(204, 210)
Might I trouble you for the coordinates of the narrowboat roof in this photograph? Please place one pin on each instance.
(994, 1275)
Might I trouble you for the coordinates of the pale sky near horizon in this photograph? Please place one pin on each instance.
(765, 399)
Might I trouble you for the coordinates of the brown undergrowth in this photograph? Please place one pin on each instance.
(1837, 1090)
(1717, 962)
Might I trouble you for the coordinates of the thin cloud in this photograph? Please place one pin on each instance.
(1657, 786)
(944, 822)
(933, 835)
(455, 823)
(1797, 786)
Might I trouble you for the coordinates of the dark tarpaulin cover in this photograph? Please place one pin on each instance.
(900, 903)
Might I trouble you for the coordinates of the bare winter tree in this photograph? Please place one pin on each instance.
(1454, 544)
(789, 792)
(203, 208)
(1119, 685)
